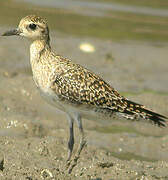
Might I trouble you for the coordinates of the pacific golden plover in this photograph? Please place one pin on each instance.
(73, 88)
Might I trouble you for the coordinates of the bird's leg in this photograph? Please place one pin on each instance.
(71, 139)
(82, 139)
(81, 145)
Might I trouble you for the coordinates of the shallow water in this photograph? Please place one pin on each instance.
(96, 7)
(110, 25)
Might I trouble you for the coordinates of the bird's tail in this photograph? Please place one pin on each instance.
(136, 111)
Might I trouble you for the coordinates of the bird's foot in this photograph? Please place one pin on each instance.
(72, 163)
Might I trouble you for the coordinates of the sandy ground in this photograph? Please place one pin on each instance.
(33, 135)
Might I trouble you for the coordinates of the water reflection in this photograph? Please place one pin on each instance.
(87, 47)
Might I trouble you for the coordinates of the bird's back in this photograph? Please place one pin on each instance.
(71, 87)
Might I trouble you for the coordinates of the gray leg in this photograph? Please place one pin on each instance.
(71, 137)
(81, 145)
(82, 140)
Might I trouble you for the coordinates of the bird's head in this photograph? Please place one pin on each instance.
(32, 27)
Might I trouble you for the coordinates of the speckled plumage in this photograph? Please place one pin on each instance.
(76, 86)
(73, 88)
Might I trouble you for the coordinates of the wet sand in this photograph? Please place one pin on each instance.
(33, 134)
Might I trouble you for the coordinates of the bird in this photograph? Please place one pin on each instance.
(74, 89)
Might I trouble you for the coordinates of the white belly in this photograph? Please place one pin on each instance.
(51, 99)
(73, 109)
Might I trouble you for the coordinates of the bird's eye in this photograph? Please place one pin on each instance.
(32, 26)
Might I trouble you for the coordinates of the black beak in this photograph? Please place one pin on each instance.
(11, 32)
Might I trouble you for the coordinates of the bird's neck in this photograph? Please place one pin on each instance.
(39, 53)
(38, 47)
